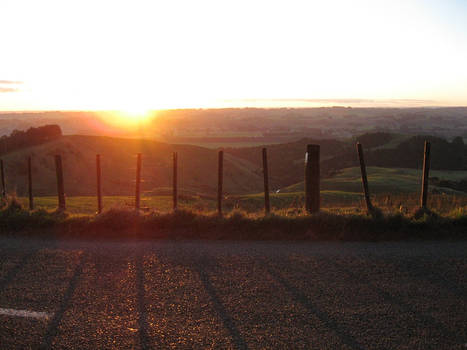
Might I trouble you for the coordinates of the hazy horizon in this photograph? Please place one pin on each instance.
(278, 104)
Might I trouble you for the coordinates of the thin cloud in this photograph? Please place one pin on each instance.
(10, 82)
(4, 89)
(7, 85)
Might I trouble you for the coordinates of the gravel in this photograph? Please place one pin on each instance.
(233, 295)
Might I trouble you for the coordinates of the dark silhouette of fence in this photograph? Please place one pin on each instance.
(311, 180)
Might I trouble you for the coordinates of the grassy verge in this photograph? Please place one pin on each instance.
(238, 225)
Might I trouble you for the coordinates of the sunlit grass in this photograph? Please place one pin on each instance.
(337, 202)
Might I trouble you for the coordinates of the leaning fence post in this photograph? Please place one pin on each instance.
(2, 170)
(426, 171)
(220, 179)
(60, 187)
(267, 207)
(31, 199)
(312, 180)
(175, 189)
(99, 183)
(366, 191)
(138, 181)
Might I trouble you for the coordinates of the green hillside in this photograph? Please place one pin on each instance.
(286, 161)
(382, 180)
(242, 166)
(197, 167)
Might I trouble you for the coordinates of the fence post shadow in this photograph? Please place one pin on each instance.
(300, 297)
(52, 328)
(423, 318)
(141, 303)
(227, 320)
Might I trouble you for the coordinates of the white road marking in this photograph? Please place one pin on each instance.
(25, 313)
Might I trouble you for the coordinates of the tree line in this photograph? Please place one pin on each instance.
(19, 139)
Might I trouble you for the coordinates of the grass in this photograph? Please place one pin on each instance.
(382, 180)
(88, 204)
(338, 202)
(343, 215)
(284, 224)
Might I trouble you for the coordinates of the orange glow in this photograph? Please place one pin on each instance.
(127, 118)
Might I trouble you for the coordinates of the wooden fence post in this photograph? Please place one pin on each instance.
(138, 181)
(99, 183)
(426, 173)
(31, 199)
(366, 191)
(267, 207)
(175, 189)
(220, 179)
(60, 187)
(312, 180)
(2, 170)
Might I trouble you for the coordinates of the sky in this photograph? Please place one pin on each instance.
(138, 55)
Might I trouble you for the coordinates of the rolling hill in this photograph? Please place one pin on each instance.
(242, 166)
(197, 167)
(382, 150)
(383, 180)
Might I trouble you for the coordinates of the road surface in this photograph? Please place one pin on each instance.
(232, 295)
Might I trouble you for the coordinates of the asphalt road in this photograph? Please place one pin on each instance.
(232, 295)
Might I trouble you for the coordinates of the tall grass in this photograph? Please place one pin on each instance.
(332, 201)
(282, 224)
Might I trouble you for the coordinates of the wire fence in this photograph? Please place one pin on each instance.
(312, 200)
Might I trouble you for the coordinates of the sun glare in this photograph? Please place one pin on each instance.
(199, 56)
(128, 117)
(135, 114)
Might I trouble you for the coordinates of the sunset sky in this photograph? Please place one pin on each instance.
(138, 55)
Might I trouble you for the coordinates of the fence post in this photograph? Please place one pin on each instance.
(60, 187)
(220, 179)
(312, 180)
(2, 170)
(175, 189)
(267, 207)
(366, 191)
(99, 183)
(426, 173)
(31, 199)
(138, 181)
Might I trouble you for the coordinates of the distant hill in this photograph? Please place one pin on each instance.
(408, 153)
(197, 167)
(234, 127)
(385, 180)
(381, 150)
(286, 161)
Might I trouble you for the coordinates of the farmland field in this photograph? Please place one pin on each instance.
(391, 189)
(382, 180)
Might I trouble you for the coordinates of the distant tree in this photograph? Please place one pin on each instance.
(458, 141)
(370, 140)
(33, 136)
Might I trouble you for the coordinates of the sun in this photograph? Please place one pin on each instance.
(127, 117)
(135, 113)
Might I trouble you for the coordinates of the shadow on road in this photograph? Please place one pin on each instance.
(423, 319)
(201, 266)
(141, 303)
(16, 269)
(428, 273)
(338, 329)
(52, 329)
